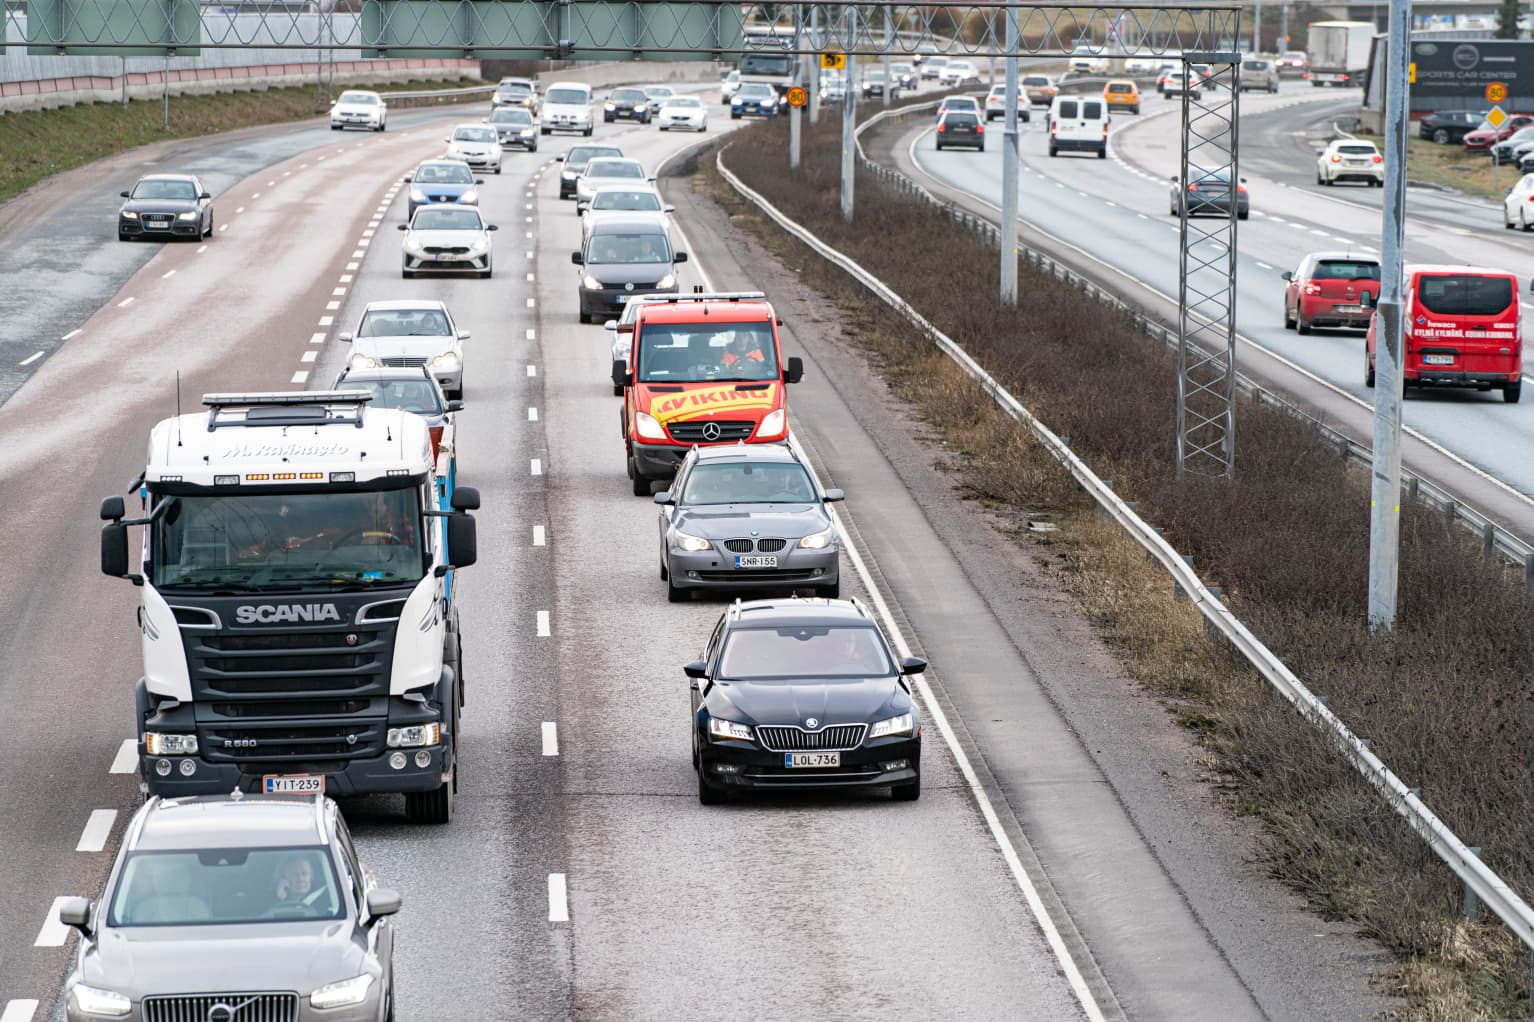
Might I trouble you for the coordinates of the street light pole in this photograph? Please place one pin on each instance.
(1009, 169)
(849, 112)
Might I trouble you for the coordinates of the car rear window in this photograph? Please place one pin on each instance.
(1067, 108)
(1357, 150)
(1035, 80)
(1255, 65)
(1347, 269)
(1091, 110)
(1120, 87)
(961, 120)
(1464, 294)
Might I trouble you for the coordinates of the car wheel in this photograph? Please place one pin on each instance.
(497, 168)
(1053, 151)
(1512, 392)
(1441, 137)
(665, 573)
(1102, 154)
(589, 131)
(1319, 179)
(832, 591)
(435, 806)
(1273, 89)
(1523, 223)
(1507, 224)
(617, 392)
(673, 594)
(639, 483)
(407, 274)
(906, 792)
(607, 119)
(708, 794)
(1300, 324)
(1243, 215)
(485, 274)
(1288, 319)
(1368, 371)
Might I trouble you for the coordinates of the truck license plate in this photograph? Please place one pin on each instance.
(811, 760)
(293, 784)
(756, 561)
(1438, 360)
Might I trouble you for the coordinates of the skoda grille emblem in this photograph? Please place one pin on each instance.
(351, 640)
(811, 722)
(628, 287)
(711, 431)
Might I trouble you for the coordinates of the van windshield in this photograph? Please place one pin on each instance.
(568, 97)
(673, 352)
(1465, 294)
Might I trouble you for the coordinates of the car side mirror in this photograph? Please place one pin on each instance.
(621, 375)
(447, 140)
(577, 259)
(679, 257)
(1286, 275)
(455, 406)
(664, 497)
(463, 335)
(833, 496)
(465, 498)
(580, 209)
(913, 665)
(344, 335)
(112, 508)
(114, 550)
(406, 179)
(462, 543)
(1172, 178)
(611, 325)
(697, 669)
(123, 194)
(76, 912)
(479, 180)
(561, 157)
(795, 371)
(668, 208)
(404, 227)
(383, 902)
(206, 195)
(1366, 300)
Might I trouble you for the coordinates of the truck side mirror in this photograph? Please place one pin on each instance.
(112, 509)
(114, 550)
(76, 912)
(621, 375)
(465, 498)
(795, 371)
(462, 542)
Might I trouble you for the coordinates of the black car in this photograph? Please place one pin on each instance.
(803, 694)
(575, 162)
(514, 127)
(624, 255)
(959, 129)
(1448, 126)
(626, 105)
(166, 206)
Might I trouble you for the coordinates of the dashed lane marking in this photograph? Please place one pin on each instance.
(327, 320)
(550, 738)
(532, 415)
(167, 274)
(302, 376)
(537, 467)
(309, 356)
(19, 1011)
(1265, 266)
(529, 278)
(201, 250)
(53, 933)
(531, 335)
(73, 333)
(338, 292)
(531, 302)
(30, 358)
(543, 624)
(240, 210)
(346, 278)
(126, 760)
(532, 370)
(222, 228)
(332, 306)
(126, 302)
(539, 537)
(97, 829)
(559, 903)
(316, 338)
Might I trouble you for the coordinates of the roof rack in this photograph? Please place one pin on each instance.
(712, 296)
(294, 408)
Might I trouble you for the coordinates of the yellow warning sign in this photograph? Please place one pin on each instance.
(1411, 73)
(833, 61)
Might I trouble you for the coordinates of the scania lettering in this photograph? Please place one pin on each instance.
(707, 369)
(298, 625)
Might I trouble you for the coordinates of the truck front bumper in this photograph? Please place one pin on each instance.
(374, 775)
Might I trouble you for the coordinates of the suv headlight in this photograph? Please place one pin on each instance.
(591, 283)
(668, 281)
(609, 106)
(446, 360)
(157, 744)
(362, 362)
(412, 737)
(340, 995)
(774, 423)
(901, 725)
(649, 426)
(693, 544)
(106, 1003)
(819, 541)
(730, 730)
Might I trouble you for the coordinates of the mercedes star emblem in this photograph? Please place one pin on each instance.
(711, 431)
(811, 722)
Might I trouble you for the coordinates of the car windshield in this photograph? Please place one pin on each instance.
(660, 91)
(584, 154)
(442, 174)
(274, 540)
(219, 886)
(754, 90)
(1465, 294)
(411, 395)
(358, 99)
(473, 134)
(512, 115)
(182, 190)
(435, 218)
(510, 88)
(742, 352)
(624, 169)
(627, 96)
(746, 483)
(646, 202)
(767, 64)
(804, 651)
(1347, 269)
(632, 248)
(689, 102)
(567, 97)
(403, 323)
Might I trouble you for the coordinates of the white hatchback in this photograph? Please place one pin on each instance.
(1350, 160)
(478, 145)
(357, 108)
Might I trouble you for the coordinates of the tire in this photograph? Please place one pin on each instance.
(1507, 224)
(435, 806)
(209, 233)
(1368, 372)
(617, 392)
(675, 595)
(607, 120)
(734, 116)
(1102, 154)
(588, 132)
(1441, 137)
(1523, 222)
(1273, 89)
(1512, 392)
(123, 237)
(497, 169)
(335, 127)
(382, 127)
(710, 795)
(1243, 216)
(906, 792)
(1319, 179)
(533, 148)
(640, 483)
(485, 274)
(585, 318)
(1300, 326)
(1053, 152)
(407, 274)
(665, 573)
(545, 131)
(1288, 319)
(831, 592)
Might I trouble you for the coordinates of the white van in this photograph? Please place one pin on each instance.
(567, 107)
(1079, 123)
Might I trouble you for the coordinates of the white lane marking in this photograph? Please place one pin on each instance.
(19, 1011)
(309, 356)
(346, 278)
(1110, 202)
(530, 303)
(537, 466)
(531, 334)
(539, 537)
(256, 196)
(530, 255)
(1264, 265)
(222, 228)
(529, 278)
(318, 159)
(358, 254)
(97, 829)
(201, 250)
(125, 302)
(559, 903)
(529, 234)
(550, 738)
(53, 933)
(240, 210)
(352, 266)
(532, 415)
(302, 376)
(338, 292)
(373, 223)
(126, 760)
(529, 219)
(289, 173)
(543, 624)
(167, 274)
(73, 333)
(30, 358)
(528, 206)
(1142, 216)
(327, 320)
(366, 234)
(1299, 227)
(270, 184)
(1319, 232)
(532, 370)
(332, 306)
(316, 338)
(364, 242)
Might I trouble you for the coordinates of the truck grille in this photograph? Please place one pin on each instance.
(789, 738)
(250, 741)
(289, 665)
(240, 1008)
(692, 431)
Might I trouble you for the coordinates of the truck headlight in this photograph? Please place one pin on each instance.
(446, 360)
(416, 195)
(157, 744)
(668, 281)
(362, 362)
(340, 995)
(648, 426)
(106, 1003)
(731, 730)
(692, 544)
(901, 725)
(774, 423)
(190, 214)
(412, 737)
(819, 541)
(591, 283)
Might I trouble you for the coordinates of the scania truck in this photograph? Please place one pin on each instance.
(298, 625)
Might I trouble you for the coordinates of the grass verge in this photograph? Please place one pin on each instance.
(1451, 167)
(1445, 700)
(35, 144)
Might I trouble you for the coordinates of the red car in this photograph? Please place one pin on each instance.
(1327, 291)
(1484, 137)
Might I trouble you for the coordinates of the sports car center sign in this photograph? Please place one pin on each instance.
(1465, 70)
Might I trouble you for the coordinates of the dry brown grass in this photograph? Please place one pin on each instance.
(1446, 701)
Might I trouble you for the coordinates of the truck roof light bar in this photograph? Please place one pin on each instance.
(298, 408)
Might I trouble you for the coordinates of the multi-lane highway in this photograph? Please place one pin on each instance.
(1064, 861)
(1113, 218)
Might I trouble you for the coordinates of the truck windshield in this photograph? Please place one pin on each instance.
(775, 64)
(681, 352)
(273, 540)
(1465, 295)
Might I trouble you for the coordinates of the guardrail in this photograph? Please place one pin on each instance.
(438, 97)
(1495, 538)
(1493, 891)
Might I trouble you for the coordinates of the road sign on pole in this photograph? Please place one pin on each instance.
(1496, 92)
(833, 61)
(798, 96)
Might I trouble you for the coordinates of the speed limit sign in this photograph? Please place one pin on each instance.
(798, 96)
(1496, 92)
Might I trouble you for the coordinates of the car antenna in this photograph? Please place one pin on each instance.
(178, 407)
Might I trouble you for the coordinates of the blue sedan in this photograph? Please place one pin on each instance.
(442, 181)
(754, 99)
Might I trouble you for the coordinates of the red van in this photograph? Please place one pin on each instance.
(1462, 328)
(702, 369)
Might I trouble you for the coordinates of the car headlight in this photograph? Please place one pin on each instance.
(819, 541)
(591, 283)
(412, 737)
(412, 245)
(190, 214)
(362, 362)
(340, 995)
(609, 106)
(527, 132)
(469, 197)
(901, 725)
(649, 426)
(106, 1003)
(156, 744)
(731, 730)
(568, 175)
(416, 195)
(692, 544)
(478, 245)
(129, 214)
(774, 423)
(446, 360)
(668, 281)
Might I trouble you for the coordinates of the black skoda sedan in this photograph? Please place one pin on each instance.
(166, 206)
(803, 694)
